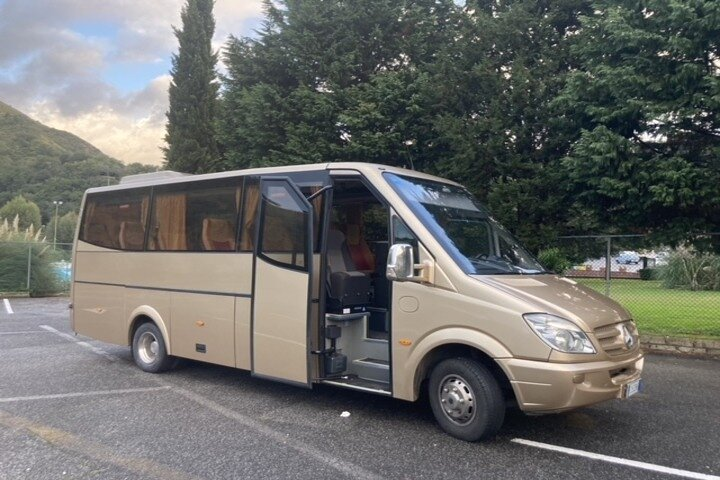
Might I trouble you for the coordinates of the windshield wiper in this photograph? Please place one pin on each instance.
(502, 266)
(486, 264)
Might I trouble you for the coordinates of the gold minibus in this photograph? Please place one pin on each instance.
(360, 276)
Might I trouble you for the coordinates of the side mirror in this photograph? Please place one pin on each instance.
(400, 263)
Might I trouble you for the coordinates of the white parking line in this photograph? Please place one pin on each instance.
(617, 460)
(343, 466)
(8, 307)
(82, 394)
(69, 337)
(24, 332)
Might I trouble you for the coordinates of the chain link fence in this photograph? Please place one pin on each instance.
(668, 291)
(36, 268)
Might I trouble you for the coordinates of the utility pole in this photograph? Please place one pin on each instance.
(57, 204)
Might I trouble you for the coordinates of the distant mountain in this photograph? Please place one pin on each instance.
(44, 164)
(22, 135)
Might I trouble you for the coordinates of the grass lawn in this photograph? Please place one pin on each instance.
(658, 310)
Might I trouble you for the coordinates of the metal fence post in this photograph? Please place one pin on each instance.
(29, 266)
(608, 266)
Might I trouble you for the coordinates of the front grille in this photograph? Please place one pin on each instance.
(613, 339)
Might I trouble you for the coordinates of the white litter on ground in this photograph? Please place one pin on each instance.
(345, 414)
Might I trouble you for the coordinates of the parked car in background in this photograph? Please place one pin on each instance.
(627, 257)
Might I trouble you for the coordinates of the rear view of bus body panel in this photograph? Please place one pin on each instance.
(98, 312)
(98, 294)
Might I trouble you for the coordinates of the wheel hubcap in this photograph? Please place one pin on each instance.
(148, 347)
(457, 399)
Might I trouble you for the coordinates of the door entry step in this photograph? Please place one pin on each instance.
(355, 383)
(372, 369)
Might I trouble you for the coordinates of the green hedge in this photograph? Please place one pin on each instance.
(16, 246)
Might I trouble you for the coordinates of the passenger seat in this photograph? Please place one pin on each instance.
(349, 290)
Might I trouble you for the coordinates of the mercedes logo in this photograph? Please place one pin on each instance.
(627, 337)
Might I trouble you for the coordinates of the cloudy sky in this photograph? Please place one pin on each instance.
(99, 68)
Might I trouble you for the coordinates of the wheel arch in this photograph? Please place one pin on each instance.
(146, 314)
(460, 350)
(453, 343)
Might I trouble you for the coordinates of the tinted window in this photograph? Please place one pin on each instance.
(250, 210)
(195, 217)
(402, 234)
(116, 219)
(283, 237)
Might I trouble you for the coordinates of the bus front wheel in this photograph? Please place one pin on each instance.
(149, 349)
(466, 399)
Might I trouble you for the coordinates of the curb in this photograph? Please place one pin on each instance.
(681, 346)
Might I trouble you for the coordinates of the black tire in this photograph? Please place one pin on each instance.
(477, 404)
(149, 351)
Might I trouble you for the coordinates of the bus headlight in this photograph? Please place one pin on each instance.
(559, 333)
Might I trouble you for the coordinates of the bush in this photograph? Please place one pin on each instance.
(648, 274)
(27, 212)
(554, 260)
(15, 247)
(691, 270)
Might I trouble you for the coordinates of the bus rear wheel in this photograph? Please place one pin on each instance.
(149, 349)
(466, 399)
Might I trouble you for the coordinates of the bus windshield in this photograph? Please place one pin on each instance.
(479, 244)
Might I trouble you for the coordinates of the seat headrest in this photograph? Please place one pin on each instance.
(132, 235)
(218, 234)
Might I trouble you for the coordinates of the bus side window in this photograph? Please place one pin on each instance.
(116, 220)
(195, 217)
(283, 237)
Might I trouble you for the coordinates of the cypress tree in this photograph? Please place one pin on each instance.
(191, 144)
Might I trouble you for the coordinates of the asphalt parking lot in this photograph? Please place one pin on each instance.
(71, 407)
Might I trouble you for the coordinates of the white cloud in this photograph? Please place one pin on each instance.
(132, 131)
(56, 75)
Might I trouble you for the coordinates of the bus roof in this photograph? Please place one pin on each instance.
(165, 177)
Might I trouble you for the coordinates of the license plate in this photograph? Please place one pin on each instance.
(633, 387)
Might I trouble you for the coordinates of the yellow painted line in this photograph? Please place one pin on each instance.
(66, 441)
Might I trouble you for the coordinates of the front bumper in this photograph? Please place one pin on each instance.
(543, 387)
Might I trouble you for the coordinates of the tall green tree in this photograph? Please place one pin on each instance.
(459, 90)
(575, 116)
(644, 106)
(491, 92)
(191, 141)
(27, 212)
(306, 88)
